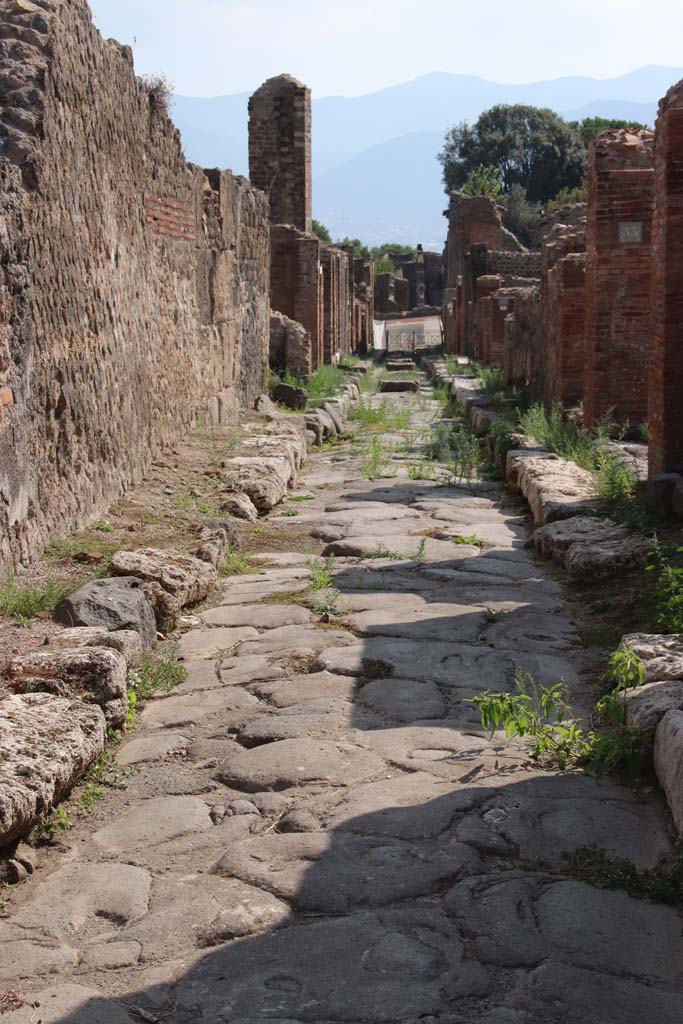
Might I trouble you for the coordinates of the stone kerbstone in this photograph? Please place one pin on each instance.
(187, 579)
(239, 505)
(264, 480)
(47, 744)
(669, 762)
(662, 655)
(659, 491)
(388, 386)
(111, 604)
(555, 488)
(647, 705)
(126, 641)
(215, 538)
(589, 547)
(335, 411)
(97, 674)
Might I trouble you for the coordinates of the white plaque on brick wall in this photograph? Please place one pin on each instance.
(631, 231)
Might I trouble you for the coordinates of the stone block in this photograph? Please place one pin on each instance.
(110, 604)
(96, 674)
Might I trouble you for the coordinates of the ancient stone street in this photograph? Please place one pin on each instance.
(319, 830)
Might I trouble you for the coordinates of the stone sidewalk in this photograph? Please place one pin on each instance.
(319, 831)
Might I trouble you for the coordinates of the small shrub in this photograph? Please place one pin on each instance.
(57, 822)
(667, 588)
(322, 573)
(466, 456)
(24, 603)
(238, 563)
(156, 673)
(376, 460)
(160, 92)
(422, 470)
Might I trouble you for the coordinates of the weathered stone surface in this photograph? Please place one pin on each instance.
(292, 397)
(289, 640)
(334, 873)
(187, 579)
(215, 538)
(47, 744)
(265, 406)
(97, 674)
(264, 480)
(111, 604)
(403, 700)
(75, 1003)
(283, 693)
(178, 712)
(126, 641)
(239, 505)
(647, 705)
(150, 748)
(295, 762)
(207, 643)
(662, 655)
(589, 547)
(260, 616)
(411, 386)
(555, 488)
(669, 762)
(365, 968)
(152, 822)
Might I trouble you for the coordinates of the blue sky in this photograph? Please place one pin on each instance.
(351, 47)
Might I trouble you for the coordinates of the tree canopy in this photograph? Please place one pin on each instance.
(529, 146)
(321, 231)
(592, 126)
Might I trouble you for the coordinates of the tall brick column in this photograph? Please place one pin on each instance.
(666, 348)
(280, 149)
(618, 276)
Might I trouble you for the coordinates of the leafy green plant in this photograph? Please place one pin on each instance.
(328, 606)
(376, 461)
(24, 603)
(156, 673)
(660, 885)
(238, 563)
(132, 712)
(421, 553)
(470, 539)
(483, 181)
(422, 470)
(322, 573)
(667, 588)
(382, 552)
(103, 526)
(89, 798)
(57, 822)
(466, 455)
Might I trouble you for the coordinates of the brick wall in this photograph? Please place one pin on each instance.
(618, 276)
(133, 288)
(485, 287)
(296, 283)
(514, 264)
(564, 301)
(666, 364)
(280, 149)
(523, 346)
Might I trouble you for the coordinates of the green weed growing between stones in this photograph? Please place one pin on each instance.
(238, 563)
(156, 673)
(56, 823)
(543, 716)
(376, 461)
(592, 864)
(666, 597)
(322, 573)
(25, 603)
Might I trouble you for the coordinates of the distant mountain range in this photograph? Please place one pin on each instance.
(375, 173)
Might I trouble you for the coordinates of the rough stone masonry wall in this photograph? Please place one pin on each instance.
(133, 290)
(666, 346)
(523, 349)
(564, 301)
(280, 162)
(618, 276)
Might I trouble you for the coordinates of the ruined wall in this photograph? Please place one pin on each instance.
(472, 220)
(296, 284)
(392, 294)
(565, 316)
(514, 264)
(523, 348)
(666, 347)
(280, 149)
(486, 286)
(290, 345)
(618, 275)
(133, 289)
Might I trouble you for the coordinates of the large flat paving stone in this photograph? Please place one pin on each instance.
(366, 968)
(192, 709)
(403, 700)
(290, 640)
(283, 693)
(75, 1004)
(261, 616)
(409, 806)
(521, 920)
(294, 762)
(325, 717)
(331, 872)
(152, 822)
(209, 643)
(145, 749)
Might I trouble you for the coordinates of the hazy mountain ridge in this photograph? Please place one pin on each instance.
(374, 157)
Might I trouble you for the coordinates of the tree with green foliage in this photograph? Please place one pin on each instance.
(397, 248)
(569, 195)
(321, 231)
(528, 146)
(360, 251)
(521, 217)
(589, 127)
(484, 181)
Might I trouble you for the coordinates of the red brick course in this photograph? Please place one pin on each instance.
(666, 349)
(618, 276)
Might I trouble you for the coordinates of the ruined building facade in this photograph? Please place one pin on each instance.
(315, 286)
(134, 287)
(595, 316)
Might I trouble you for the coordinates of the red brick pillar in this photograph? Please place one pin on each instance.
(485, 287)
(666, 349)
(618, 276)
